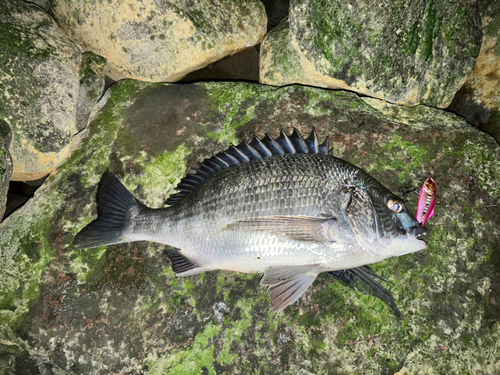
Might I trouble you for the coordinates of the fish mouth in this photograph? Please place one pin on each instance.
(414, 242)
(417, 231)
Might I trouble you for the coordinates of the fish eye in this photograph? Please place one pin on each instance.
(395, 205)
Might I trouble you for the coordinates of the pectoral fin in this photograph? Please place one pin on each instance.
(363, 279)
(288, 292)
(300, 228)
(287, 284)
(277, 275)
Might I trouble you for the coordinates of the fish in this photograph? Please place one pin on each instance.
(283, 207)
(426, 201)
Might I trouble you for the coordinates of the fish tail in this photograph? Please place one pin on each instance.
(115, 207)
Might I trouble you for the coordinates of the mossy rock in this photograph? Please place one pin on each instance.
(121, 309)
(39, 80)
(478, 100)
(92, 81)
(408, 53)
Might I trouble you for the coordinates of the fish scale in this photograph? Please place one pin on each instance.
(283, 207)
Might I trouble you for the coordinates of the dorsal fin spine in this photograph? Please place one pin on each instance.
(312, 143)
(245, 152)
(272, 145)
(285, 143)
(299, 143)
(238, 154)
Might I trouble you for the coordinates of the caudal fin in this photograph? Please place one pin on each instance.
(115, 206)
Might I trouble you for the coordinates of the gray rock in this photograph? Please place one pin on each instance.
(158, 40)
(5, 164)
(121, 309)
(92, 80)
(479, 98)
(39, 83)
(403, 52)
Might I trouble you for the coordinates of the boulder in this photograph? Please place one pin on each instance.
(39, 80)
(5, 164)
(121, 309)
(161, 41)
(479, 98)
(408, 53)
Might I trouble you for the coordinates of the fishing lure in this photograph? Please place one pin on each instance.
(426, 201)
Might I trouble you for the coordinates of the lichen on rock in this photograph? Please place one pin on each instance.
(161, 41)
(39, 79)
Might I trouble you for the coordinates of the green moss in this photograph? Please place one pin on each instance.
(161, 174)
(405, 158)
(92, 65)
(87, 264)
(280, 56)
(231, 102)
(193, 360)
(25, 252)
(429, 24)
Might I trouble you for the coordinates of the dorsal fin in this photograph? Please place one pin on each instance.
(245, 152)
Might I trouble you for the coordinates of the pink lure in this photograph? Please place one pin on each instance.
(426, 201)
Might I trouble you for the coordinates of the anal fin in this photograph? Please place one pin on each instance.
(288, 292)
(181, 265)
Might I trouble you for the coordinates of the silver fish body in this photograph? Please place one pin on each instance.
(289, 216)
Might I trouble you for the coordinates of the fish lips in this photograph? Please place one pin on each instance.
(413, 241)
(417, 231)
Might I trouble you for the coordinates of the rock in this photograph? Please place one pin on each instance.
(479, 98)
(121, 309)
(17, 357)
(406, 53)
(39, 77)
(280, 62)
(5, 164)
(161, 41)
(92, 80)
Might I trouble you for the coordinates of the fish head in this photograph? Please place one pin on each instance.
(401, 231)
(381, 221)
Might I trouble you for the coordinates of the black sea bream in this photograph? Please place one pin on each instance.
(283, 207)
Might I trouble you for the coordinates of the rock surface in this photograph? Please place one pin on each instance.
(92, 81)
(121, 309)
(479, 98)
(39, 85)
(156, 40)
(408, 53)
(5, 164)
